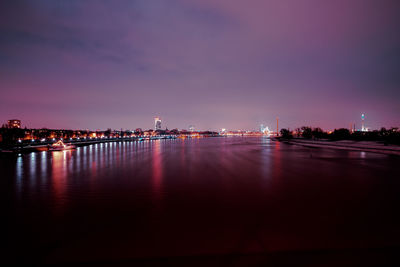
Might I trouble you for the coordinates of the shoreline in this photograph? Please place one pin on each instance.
(77, 143)
(26, 148)
(365, 146)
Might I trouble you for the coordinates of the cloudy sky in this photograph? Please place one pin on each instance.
(212, 63)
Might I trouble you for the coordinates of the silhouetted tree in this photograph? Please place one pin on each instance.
(298, 132)
(318, 133)
(11, 135)
(285, 133)
(306, 132)
(340, 134)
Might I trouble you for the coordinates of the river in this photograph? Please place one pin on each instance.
(214, 201)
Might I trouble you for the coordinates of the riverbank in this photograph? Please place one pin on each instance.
(366, 146)
(44, 146)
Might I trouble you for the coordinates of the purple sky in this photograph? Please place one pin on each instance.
(212, 63)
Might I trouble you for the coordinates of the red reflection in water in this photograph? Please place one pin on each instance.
(59, 177)
(157, 169)
(277, 162)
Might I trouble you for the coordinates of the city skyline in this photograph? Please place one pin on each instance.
(213, 64)
(356, 126)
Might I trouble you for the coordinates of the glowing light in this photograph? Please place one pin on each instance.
(157, 123)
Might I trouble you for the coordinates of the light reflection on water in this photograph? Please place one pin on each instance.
(157, 168)
(204, 195)
(19, 171)
(102, 161)
(59, 176)
(43, 165)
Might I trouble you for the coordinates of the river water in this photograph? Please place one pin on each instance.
(209, 201)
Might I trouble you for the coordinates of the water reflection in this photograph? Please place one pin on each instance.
(265, 162)
(19, 171)
(157, 171)
(277, 167)
(32, 167)
(201, 196)
(59, 177)
(43, 165)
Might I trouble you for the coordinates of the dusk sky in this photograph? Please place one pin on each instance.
(210, 63)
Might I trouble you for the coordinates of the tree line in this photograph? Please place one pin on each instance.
(388, 136)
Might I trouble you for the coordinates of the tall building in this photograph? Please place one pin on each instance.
(14, 124)
(157, 123)
(363, 129)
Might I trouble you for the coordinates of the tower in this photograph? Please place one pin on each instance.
(157, 123)
(362, 122)
(277, 126)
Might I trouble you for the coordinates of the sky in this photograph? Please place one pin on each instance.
(214, 64)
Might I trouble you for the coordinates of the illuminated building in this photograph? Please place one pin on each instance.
(14, 124)
(363, 128)
(157, 123)
(191, 128)
(265, 130)
(362, 122)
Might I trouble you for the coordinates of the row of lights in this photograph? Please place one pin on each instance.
(77, 138)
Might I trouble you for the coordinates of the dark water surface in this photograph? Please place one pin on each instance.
(211, 201)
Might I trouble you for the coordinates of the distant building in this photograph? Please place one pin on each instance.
(14, 124)
(363, 128)
(264, 129)
(157, 123)
(191, 128)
